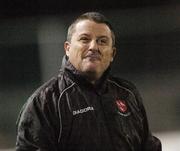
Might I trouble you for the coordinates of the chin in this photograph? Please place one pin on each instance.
(90, 68)
(92, 73)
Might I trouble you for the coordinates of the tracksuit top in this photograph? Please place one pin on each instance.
(68, 113)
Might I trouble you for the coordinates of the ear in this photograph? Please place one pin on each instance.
(113, 54)
(67, 47)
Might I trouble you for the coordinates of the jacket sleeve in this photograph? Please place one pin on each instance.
(150, 142)
(36, 125)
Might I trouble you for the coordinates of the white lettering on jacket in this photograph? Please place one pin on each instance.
(83, 110)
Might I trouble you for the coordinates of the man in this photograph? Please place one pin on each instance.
(84, 108)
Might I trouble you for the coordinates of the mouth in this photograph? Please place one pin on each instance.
(93, 56)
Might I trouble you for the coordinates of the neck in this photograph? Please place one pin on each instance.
(92, 77)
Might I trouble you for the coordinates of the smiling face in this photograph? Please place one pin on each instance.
(90, 49)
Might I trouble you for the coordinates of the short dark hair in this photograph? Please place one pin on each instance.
(94, 16)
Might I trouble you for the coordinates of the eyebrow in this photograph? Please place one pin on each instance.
(102, 36)
(84, 34)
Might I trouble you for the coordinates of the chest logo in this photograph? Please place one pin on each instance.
(83, 110)
(121, 104)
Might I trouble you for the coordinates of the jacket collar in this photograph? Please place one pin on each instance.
(76, 76)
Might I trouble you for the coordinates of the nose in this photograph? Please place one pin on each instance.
(93, 45)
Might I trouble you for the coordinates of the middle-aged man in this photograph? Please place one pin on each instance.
(84, 108)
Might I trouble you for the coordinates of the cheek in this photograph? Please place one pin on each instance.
(81, 51)
(77, 52)
(108, 56)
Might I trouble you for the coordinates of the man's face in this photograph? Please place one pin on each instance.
(91, 48)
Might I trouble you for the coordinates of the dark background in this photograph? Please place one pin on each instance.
(19, 8)
(148, 41)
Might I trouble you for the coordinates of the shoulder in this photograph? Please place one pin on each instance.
(44, 100)
(51, 90)
(127, 85)
(51, 86)
(42, 95)
(123, 83)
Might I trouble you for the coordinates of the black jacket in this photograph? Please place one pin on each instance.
(70, 114)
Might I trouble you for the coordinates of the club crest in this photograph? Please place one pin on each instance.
(122, 107)
(121, 104)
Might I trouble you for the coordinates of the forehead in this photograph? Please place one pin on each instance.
(91, 27)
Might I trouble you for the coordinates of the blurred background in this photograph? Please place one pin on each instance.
(32, 34)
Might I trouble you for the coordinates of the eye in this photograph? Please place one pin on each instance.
(103, 41)
(84, 39)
